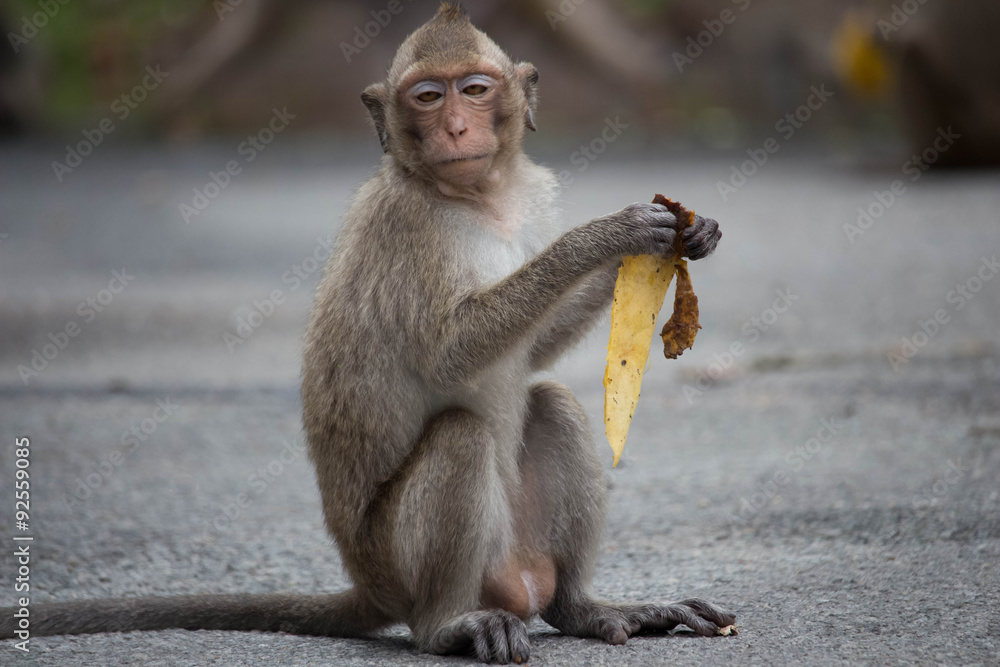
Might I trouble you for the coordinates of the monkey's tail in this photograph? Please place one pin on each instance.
(344, 614)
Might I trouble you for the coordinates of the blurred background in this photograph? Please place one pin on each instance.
(211, 148)
(705, 75)
(173, 174)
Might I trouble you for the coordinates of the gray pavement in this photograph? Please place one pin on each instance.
(844, 503)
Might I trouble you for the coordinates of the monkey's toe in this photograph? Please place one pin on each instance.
(497, 636)
(702, 617)
(615, 632)
(611, 623)
(710, 612)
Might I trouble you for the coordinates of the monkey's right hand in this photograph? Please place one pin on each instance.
(643, 229)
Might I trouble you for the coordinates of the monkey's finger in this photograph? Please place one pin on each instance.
(664, 251)
(699, 248)
(699, 243)
(663, 239)
(663, 217)
(656, 215)
(656, 208)
(702, 227)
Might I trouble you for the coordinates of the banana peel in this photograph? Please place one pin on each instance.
(679, 331)
(639, 293)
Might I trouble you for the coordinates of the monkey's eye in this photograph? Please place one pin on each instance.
(427, 92)
(475, 85)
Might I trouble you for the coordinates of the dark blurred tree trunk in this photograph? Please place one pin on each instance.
(20, 82)
(950, 76)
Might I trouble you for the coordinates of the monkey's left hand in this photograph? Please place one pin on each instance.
(701, 237)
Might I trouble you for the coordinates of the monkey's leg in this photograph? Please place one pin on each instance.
(559, 450)
(448, 512)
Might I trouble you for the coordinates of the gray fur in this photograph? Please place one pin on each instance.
(438, 458)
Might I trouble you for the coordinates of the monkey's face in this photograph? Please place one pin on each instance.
(453, 116)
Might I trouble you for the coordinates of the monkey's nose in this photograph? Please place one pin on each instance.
(456, 126)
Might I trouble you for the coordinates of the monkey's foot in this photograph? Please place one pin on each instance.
(494, 635)
(615, 623)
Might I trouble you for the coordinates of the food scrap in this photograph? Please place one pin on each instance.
(639, 293)
(679, 331)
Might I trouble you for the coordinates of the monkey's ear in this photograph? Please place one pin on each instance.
(376, 98)
(527, 74)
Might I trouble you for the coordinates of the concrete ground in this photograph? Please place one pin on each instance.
(825, 462)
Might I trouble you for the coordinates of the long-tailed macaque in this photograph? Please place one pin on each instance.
(464, 498)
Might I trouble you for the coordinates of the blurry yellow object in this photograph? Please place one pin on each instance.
(858, 60)
(639, 293)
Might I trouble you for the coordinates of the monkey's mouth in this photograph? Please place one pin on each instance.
(468, 158)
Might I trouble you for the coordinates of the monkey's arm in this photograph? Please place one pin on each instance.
(575, 317)
(578, 313)
(483, 326)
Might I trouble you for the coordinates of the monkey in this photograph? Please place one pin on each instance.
(464, 497)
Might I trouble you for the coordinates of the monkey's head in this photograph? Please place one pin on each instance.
(454, 106)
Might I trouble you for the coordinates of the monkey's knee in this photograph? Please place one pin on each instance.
(558, 423)
(554, 402)
(455, 436)
(558, 438)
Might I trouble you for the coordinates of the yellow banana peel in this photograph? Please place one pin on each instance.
(639, 293)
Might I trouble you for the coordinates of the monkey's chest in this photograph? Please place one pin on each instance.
(491, 258)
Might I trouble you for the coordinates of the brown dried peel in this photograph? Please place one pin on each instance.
(639, 293)
(679, 331)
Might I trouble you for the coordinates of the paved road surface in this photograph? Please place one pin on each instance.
(846, 509)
